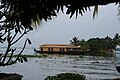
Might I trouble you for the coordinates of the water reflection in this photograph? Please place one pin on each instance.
(94, 68)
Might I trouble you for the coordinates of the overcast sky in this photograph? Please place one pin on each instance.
(62, 29)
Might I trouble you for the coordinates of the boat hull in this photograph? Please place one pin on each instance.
(59, 52)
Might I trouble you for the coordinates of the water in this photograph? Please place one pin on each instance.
(28, 50)
(94, 68)
(40, 68)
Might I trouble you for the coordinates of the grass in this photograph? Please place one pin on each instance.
(81, 56)
(31, 56)
(100, 54)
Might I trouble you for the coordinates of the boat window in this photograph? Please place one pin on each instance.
(41, 49)
(48, 49)
(62, 49)
(67, 49)
(51, 49)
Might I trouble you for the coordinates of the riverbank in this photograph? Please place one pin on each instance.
(61, 55)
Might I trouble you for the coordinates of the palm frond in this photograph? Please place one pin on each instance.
(119, 10)
(95, 11)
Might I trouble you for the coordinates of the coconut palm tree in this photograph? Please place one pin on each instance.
(85, 47)
(75, 41)
(116, 40)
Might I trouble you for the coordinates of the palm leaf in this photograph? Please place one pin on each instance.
(119, 9)
(95, 11)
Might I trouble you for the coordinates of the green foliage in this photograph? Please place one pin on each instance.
(97, 45)
(66, 76)
(30, 56)
(75, 41)
(11, 31)
(22, 58)
(27, 11)
(8, 58)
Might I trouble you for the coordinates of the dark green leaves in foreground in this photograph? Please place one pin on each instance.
(24, 12)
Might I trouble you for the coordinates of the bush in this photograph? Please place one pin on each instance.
(66, 76)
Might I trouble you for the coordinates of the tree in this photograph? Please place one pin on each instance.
(11, 31)
(94, 44)
(116, 40)
(75, 41)
(35, 10)
(84, 46)
(107, 43)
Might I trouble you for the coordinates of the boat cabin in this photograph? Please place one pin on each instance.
(59, 47)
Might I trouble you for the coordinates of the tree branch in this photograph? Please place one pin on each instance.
(20, 36)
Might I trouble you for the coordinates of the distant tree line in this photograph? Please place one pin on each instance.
(93, 45)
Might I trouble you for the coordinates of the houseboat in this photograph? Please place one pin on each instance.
(58, 49)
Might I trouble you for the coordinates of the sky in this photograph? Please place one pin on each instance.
(61, 29)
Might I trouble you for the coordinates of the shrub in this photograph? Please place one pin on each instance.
(66, 76)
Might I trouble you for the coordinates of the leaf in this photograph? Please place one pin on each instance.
(21, 60)
(24, 58)
(4, 39)
(2, 6)
(76, 13)
(53, 13)
(16, 31)
(14, 49)
(68, 11)
(1, 55)
(45, 19)
(58, 8)
(10, 62)
(62, 9)
(89, 8)
(80, 12)
(30, 27)
(18, 59)
(85, 8)
(1, 41)
(29, 41)
(95, 11)
(72, 13)
(1, 15)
